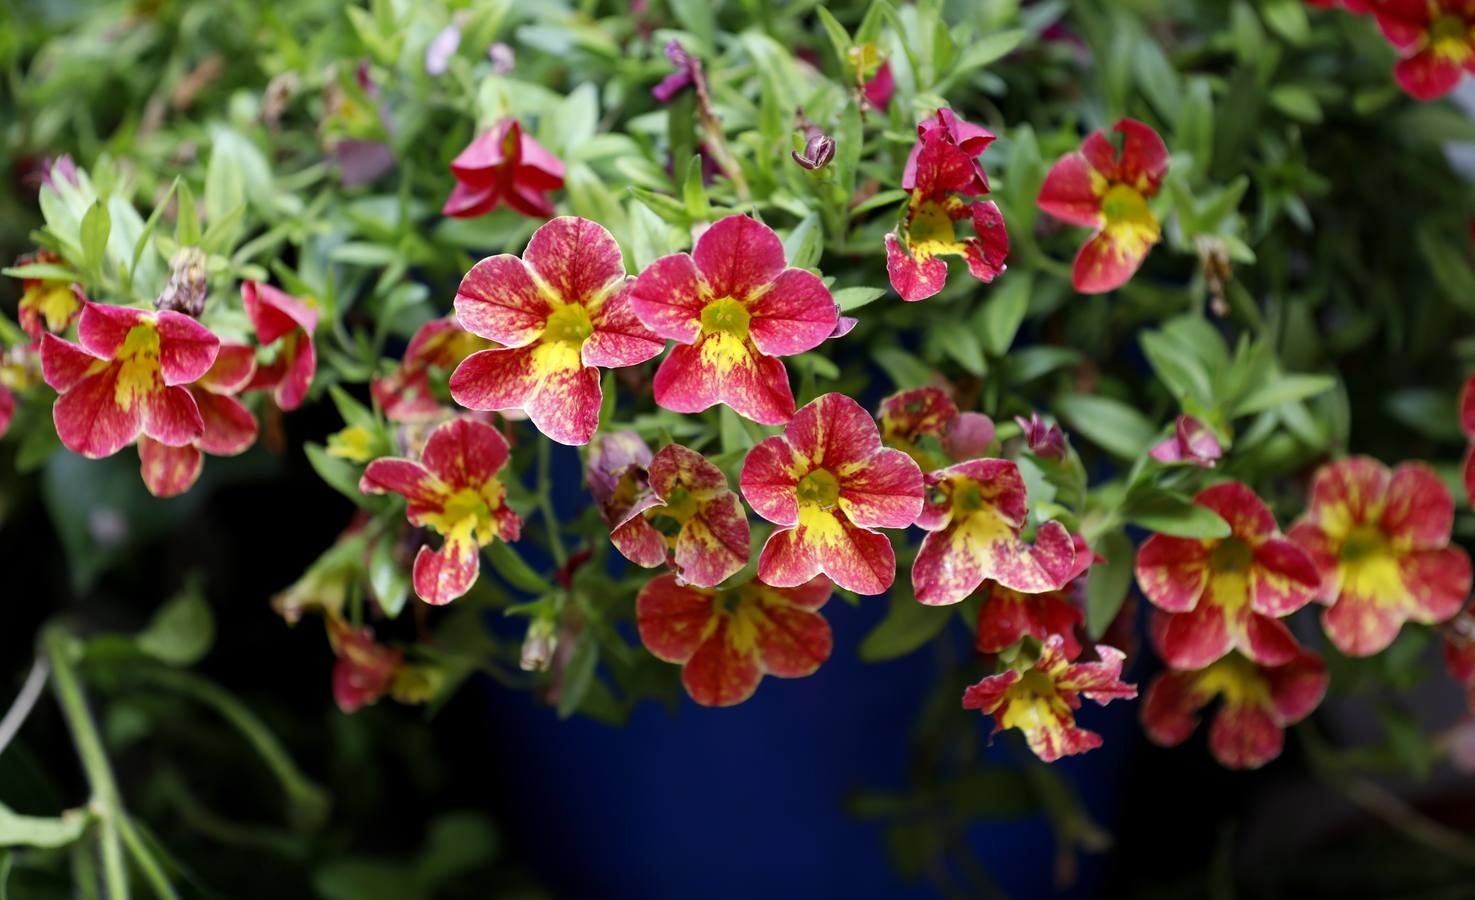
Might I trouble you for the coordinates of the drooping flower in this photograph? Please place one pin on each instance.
(229, 427)
(688, 70)
(733, 309)
(1257, 703)
(364, 669)
(1102, 188)
(1381, 542)
(686, 514)
(1459, 652)
(1220, 594)
(1043, 440)
(726, 641)
(1436, 39)
(47, 304)
(289, 323)
(558, 312)
(908, 416)
(1192, 442)
(819, 151)
(974, 513)
(1005, 616)
(454, 491)
(504, 166)
(618, 474)
(880, 86)
(942, 170)
(1039, 697)
(828, 484)
(1467, 425)
(406, 394)
(126, 378)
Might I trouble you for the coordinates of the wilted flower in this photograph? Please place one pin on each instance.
(1257, 703)
(229, 427)
(688, 70)
(726, 641)
(819, 150)
(828, 483)
(288, 322)
(185, 292)
(558, 312)
(47, 304)
(733, 309)
(1039, 696)
(1046, 441)
(454, 491)
(126, 378)
(1192, 442)
(1381, 542)
(504, 166)
(365, 668)
(1436, 39)
(908, 416)
(1102, 188)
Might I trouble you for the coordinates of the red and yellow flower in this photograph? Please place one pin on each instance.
(1436, 39)
(726, 641)
(454, 491)
(1006, 616)
(1257, 703)
(1380, 540)
(20, 370)
(974, 513)
(1102, 188)
(126, 378)
(289, 323)
(229, 427)
(686, 514)
(1222, 594)
(733, 308)
(47, 304)
(907, 417)
(406, 394)
(828, 483)
(1192, 442)
(364, 669)
(942, 170)
(558, 312)
(1039, 696)
(504, 165)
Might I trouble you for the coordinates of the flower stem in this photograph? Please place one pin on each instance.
(545, 502)
(25, 701)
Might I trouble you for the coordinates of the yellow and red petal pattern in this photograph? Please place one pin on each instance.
(290, 374)
(1283, 578)
(232, 370)
(738, 257)
(668, 297)
(674, 618)
(465, 453)
(575, 259)
(1428, 75)
(1405, 23)
(619, 339)
(1249, 518)
(1245, 737)
(794, 313)
(720, 369)
(64, 365)
(913, 277)
(498, 300)
(770, 479)
(638, 540)
(908, 415)
(1108, 260)
(177, 347)
(1072, 192)
(1173, 572)
(713, 543)
(425, 493)
(793, 639)
(885, 492)
(1142, 162)
(88, 418)
(229, 427)
(986, 251)
(548, 381)
(721, 673)
(274, 313)
(1418, 512)
(1006, 616)
(825, 542)
(1347, 493)
(441, 576)
(168, 471)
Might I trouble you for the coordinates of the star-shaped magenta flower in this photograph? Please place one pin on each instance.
(1006, 616)
(828, 483)
(1101, 188)
(974, 513)
(454, 491)
(687, 514)
(558, 312)
(726, 641)
(942, 170)
(284, 320)
(733, 308)
(1039, 697)
(1380, 540)
(1222, 594)
(1436, 39)
(1192, 442)
(439, 345)
(1256, 705)
(126, 378)
(504, 165)
(229, 427)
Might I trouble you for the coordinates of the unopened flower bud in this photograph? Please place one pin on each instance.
(818, 151)
(1044, 441)
(538, 646)
(187, 287)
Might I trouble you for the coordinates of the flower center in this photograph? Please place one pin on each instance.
(1236, 679)
(726, 315)
(1365, 541)
(967, 496)
(819, 488)
(568, 324)
(1033, 703)
(466, 503)
(1448, 37)
(1231, 555)
(138, 372)
(1124, 203)
(680, 506)
(930, 230)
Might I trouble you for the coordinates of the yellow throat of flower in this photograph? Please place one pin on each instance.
(819, 488)
(1032, 703)
(568, 324)
(1128, 218)
(1450, 38)
(138, 372)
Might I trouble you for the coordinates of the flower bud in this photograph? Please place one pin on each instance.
(187, 287)
(819, 150)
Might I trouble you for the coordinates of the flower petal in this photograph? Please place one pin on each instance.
(168, 471)
(794, 314)
(577, 259)
(498, 300)
(102, 328)
(301, 364)
(187, 349)
(1143, 160)
(229, 427)
(565, 404)
(1069, 192)
(913, 278)
(1192, 640)
(409, 479)
(1106, 262)
(720, 369)
(738, 256)
(442, 576)
(668, 299)
(826, 543)
(1361, 625)
(771, 472)
(1173, 572)
(1438, 583)
(1283, 578)
(1297, 688)
(64, 364)
(1428, 75)
(640, 542)
(985, 254)
(1248, 517)
(1347, 493)
(232, 370)
(792, 642)
(673, 618)
(1244, 736)
(494, 379)
(465, 453)
(1170, 709)
(619, 339)
(171, 416)
(1420, 511)
(1267, 641)
(886, 492)
(274, 312)
(713, 544)
(719, 673)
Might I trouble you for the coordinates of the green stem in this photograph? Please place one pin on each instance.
(545, 502)
(105, 797)
(143, 855)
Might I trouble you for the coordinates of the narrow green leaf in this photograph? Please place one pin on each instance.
(514, 570)
(907, 626)
(853, 298)
(97, 224)
(1282, 390)
(1163, 511)
(1107, 583)
(1110, 424)
(17, 830)
(578, 676)
(182, 631)
(1003, 312)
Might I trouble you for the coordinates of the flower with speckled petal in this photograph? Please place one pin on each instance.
(439, 345)
(126, 378)
(1007, 616)
(364, 668)
(726, 641)
(454, 491)
(559, 312)
(689, 516)
(504, 166)
(828, 484)
(47, 304)
(941, 171)
(1257, 703)
(1229, 593)
(907, 417)
(289, 323)
(229, 426)
(974, 512)
(733, 307)
(1381, 542)
(1436, 39)
(1039, 697)
(1107, 189)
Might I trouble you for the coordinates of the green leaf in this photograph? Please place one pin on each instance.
(805, 243)
(1156, 77)
(352, 411)
(514, 570)
(1107, 583)
(1287, 18)
(182, 631)
(698, 17)
(1168, 513)
(48, 271)
(1296, 101)
(988, 49)
(839, 37)
(963, 346)
(694, 193)
(1281, 390)
(187, 225)
(907, 626)
(578, 676)
(1177, 367)
(97, 224)
(1003, 312)
(368, 879)
(341, 475)
(853, 298)
(17, 830)
(1110, 424)
(389, 580)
